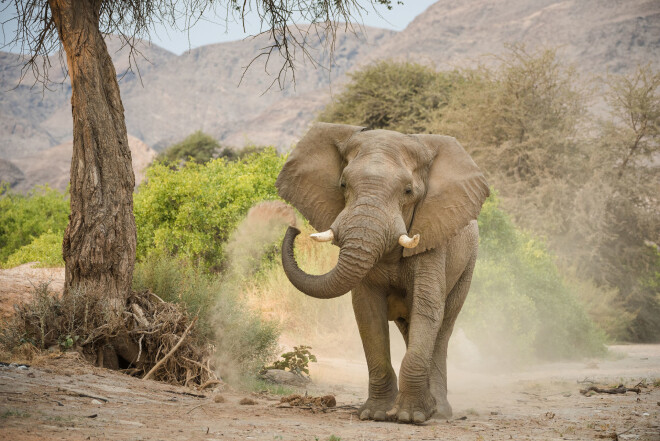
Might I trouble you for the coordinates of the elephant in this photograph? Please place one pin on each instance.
(402, 209)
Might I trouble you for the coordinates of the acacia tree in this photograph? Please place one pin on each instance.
(100, 240)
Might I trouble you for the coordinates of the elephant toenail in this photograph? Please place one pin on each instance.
(379, 415)
(419, 417)
(365, 414)
(403, 417)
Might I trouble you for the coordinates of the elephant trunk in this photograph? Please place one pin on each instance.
(356, 258)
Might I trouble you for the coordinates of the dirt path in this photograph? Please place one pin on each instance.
(59, 398)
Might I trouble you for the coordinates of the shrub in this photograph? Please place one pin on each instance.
(46, 249)
(296, 361)
(392, 95)
(191, 212)
(197, 147)
(244, 341)
(24, 218)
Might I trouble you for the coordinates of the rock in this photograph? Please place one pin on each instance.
(247, 402)
(218, 399)
(10, 173)
(285, 377)
(96, 402)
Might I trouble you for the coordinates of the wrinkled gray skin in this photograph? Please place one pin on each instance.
(369, 188)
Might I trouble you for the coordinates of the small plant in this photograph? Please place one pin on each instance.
(9, 413)
(67, 341)
(296, 361)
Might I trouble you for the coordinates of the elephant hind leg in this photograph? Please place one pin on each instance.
(438, 374)
(403, 326)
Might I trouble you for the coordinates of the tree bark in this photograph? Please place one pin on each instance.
(100, 240)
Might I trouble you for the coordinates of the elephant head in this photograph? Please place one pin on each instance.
(369, 191)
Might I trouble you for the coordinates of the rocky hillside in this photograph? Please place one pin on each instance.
(598, 36)
(176, 95)
(53, 165)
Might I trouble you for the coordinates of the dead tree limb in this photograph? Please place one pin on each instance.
(172, 351)
(621, 389)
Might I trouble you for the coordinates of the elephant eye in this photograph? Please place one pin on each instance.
(343, 184)
(408, 190)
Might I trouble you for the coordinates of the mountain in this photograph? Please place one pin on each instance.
(598, 36)
(33, 117)
(53, 165)
(205, 88)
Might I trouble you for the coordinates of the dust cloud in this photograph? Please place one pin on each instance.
(328, 326)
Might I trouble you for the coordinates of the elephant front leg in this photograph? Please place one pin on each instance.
(415, 403)
(370, 307)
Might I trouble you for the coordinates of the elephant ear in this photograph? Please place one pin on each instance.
(455, 192)
(310, 177)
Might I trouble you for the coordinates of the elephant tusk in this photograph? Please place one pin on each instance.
(409, 242)
(326, 236)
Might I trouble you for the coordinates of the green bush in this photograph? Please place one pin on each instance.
(24, 218)
(191, 212)
(46, 249)
(519, 304)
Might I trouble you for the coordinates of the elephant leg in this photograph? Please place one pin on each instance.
(370, 307)
(438, 376)
(403, 326)
(415, 403)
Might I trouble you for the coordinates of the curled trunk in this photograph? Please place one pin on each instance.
(355, 261)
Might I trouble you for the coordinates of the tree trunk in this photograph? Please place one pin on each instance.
(100, 240)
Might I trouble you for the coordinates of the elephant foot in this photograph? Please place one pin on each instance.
(442, 409)
(412, 408)
(375, 409)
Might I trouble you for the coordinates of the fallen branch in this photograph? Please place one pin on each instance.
(196, 407)
(172, 351)
(190, 394)
(209, 383)
(83, 394)
(621, 389)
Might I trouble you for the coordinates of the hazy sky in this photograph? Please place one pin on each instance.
(214, 29)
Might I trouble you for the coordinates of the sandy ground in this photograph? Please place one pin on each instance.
(17, 283)
(62, 398)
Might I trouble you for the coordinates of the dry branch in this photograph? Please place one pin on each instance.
(172, 351)
(621, 389)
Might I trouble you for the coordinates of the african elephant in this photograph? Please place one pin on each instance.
(366, 191)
